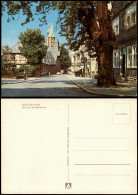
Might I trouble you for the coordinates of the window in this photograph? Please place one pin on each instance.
(12, 57)
(78, 57)
(129, 19)
(123, 22)
(116, 26)
(116, 58)
(132, 56)
(129, 50)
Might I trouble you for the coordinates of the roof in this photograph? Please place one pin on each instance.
(49, 59)
(15, 48)
(51, 31)
(54, 52)
(51, 56)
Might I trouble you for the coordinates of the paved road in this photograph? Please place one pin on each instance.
(49, 86)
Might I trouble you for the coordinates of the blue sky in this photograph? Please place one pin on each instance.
(11, 30)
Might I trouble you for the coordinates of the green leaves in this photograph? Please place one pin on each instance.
(64, 57)
(71, 27)
(33, 46)
(29, 70)
(68, 14)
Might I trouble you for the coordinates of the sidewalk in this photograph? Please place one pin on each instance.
(123, 89)
(14, 81)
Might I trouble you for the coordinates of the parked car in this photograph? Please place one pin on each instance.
(58, 73)
(79, 73)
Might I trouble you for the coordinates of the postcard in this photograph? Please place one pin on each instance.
(69, 146)
(87, 49)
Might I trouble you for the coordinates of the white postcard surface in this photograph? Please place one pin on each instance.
(67, 146)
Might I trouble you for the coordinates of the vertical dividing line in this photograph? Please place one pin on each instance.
(68, 115)
(68, 174)
(68, 160)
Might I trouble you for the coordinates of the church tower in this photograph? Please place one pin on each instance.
(50, 37)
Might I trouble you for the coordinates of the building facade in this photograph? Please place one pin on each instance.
(124, 23)
(91, 64)
(16, 55)
(51, 62)
(15, 58)
(52, 59)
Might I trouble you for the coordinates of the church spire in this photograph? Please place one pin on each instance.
(51, 31)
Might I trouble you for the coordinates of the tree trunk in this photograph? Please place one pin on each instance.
(105, 50)
(105, 67)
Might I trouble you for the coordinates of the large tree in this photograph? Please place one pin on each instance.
(81, 22)
(64, 58)
(33, 47)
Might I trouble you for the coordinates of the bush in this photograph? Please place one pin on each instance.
(19, 77)
(28, 69)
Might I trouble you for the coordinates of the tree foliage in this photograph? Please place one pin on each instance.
(69, 18)
(33, 47)
(64, 58)
(29, 70)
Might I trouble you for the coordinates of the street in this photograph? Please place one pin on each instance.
(48, 86)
